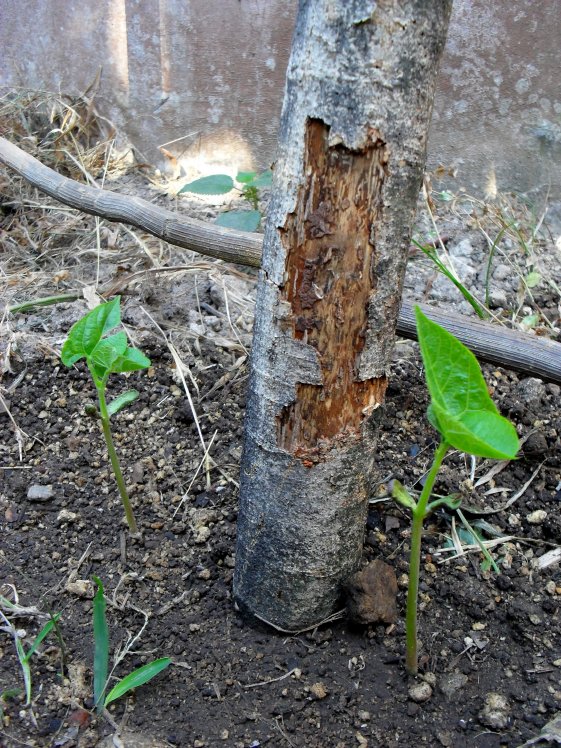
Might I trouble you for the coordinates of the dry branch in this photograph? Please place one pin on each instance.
(497, 345)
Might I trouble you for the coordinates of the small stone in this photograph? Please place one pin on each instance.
(496, 711)
(535, 445)
(537, 517)
(224, 735)
(478, 626)
(531, 391)
(80, 587)
(502, 271)
(536, 620)
(297, 673)
(451, 683)
(371, 594)
(550, 587)
(318, 691)
(202, 535)
(420, 692)
(430, 568)
(430, 678)
(204, 574)
(66, 516)
(498, 298)
(364, 716)
(194, 627)
(39, 493)
(513, 520)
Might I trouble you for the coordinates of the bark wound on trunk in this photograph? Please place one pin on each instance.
(329, 281)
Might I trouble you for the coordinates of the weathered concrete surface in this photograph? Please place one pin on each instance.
(212, 73)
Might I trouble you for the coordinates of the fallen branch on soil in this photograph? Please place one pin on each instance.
(501, 346)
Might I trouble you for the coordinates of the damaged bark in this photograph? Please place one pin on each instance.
(352, 142)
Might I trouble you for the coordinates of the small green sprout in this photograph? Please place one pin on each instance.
(101, 659)
(221, 184)
(24, 656)
(105, 356)
(467, 420)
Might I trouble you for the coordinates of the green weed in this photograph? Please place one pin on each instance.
(220, 184)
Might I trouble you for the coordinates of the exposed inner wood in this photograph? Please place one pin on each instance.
(329, 283)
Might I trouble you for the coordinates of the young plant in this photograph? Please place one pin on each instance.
(221, 184)
(101, 659)
(24, 656)
(105, 356)
(467, 420)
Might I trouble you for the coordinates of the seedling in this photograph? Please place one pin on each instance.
(220, 184)
(101, 659)
(24, 656)
(106, 356)
(467, 420)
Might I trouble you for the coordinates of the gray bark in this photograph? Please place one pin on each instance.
(352, 142)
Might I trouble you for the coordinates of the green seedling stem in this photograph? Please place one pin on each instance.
(117, 472)
(419, 513)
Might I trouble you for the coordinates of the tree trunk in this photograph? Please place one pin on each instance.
(352, 143)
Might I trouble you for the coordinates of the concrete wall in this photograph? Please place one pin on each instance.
(211, 73)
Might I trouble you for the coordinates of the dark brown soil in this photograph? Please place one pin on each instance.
(236, 682)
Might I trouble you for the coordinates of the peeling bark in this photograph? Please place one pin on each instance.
(360, 84)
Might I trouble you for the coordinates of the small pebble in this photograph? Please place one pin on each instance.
(39, 493)
(66, 516)
(318, 691)
(420, 692)
(496, 711)
(430, 678)
(537, 517)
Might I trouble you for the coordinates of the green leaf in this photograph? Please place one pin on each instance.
(121, 401)
(101, 645)
(137, 678)
(245, 177)
(461, 407)
(265, 179)
(241, 220)
(108, 350)
(402, 496)
(215, 184)
(533, 279)
(45, 631)
(88, 331)
(26, 670)
(132, 360)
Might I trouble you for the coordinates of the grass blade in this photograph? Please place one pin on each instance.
(137, 678)
(432, 255)
(101, 645)
(45, 631)
(26, 670)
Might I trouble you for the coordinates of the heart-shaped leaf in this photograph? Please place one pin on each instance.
(460, 407)
(84, 336)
